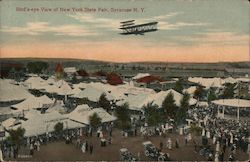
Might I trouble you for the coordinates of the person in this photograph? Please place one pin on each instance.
(110, 140)
(78, 142)
(101, 135)
(31, 149)
(186, 140)
(210, 157)
(169, 144)
(67, 139)
(176, 143)
(1, 156)
(87, 146)
(231, 157)
(138, 155)
(110, 132)
(91, 148)
(161, 146)
(221, 156)
(15, 152)
(83, 147)
(135, 132)
(38, 145)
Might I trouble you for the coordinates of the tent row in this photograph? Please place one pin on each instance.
(38, 124)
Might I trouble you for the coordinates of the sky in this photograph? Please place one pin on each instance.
(188, 30)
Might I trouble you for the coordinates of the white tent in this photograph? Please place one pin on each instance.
(35, 83)
(5, 110)
(140, 75)
(58, 107)
(207, 82)
(60, 87)
(82, 115)
(136, 102)
(190, 90)
(33, 103)
(92, 94)
(11, 92)
(78, 112)
(160, 96)
(38, 124)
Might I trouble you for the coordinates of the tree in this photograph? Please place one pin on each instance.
(182, 110)
(199, 92)
(95, 121)
(169, 106)
(211, 95)
(228, 90)
(152, 114)
(37, 67)
(123, 116)
(195, 129)
(179, 86)
(58, 128)
(16, 136)
(104, 102)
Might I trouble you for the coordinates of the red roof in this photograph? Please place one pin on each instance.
(149, 79)
(114, 79)
(59, 68)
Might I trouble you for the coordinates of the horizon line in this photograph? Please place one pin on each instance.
(194, 62)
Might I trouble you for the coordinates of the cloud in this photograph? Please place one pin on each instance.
(39, 28)
(113, 24)
(96, 22)
(178, 25)
(218, 38)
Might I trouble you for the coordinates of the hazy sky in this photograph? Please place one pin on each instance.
(189, 30)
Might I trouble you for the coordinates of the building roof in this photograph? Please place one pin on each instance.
(114, 79)
(149, 79)
(140, 75)
(233, 102)
(70, 70)
(59, 68)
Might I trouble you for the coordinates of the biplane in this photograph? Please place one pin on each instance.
(129, 27)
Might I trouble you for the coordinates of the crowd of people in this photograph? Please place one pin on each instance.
(226, 134)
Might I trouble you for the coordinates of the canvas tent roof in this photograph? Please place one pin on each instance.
(136, 102)
(11, 92)
(233, 102)
(190, 90)
(160, 96)
(216, 82)
(35, 83)
(207, 82)
(92, 94)
(83, 117)
(10, 122)
(140, 75)
(38, 124)
(33, 103)
(60, 87)
(58, 107)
